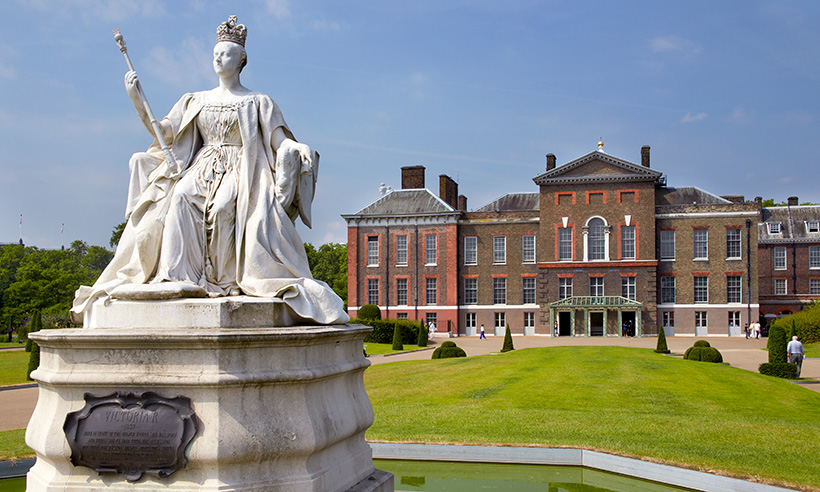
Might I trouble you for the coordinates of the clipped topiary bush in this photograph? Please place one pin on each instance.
(508, 343)
(35, 325)
(806, 322)
(422, 340)
(777, 345)
(783, 370)
(370, 311)
(661, 348)
(702, 343)
(448, 350)
(703, 354)
(397, 343)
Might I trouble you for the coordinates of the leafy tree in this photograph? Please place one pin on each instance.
(10, 257)
(328, 263)
(116, 234)
(508, 343)
(769, 202)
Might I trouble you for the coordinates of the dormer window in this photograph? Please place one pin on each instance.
(813, 226)
(774, 227)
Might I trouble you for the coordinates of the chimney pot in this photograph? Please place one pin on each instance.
(412, 177)
(793, 201)
(550, 162)
(645, 156)
(462, 203)
(448, 190)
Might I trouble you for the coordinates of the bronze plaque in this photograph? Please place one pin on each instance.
(131, 434)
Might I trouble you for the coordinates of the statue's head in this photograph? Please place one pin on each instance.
(230, 37)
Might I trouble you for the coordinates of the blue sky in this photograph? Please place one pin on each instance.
(724, 92)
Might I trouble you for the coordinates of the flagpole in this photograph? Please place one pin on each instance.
(21, 228)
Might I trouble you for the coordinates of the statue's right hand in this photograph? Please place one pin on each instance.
(131, 81)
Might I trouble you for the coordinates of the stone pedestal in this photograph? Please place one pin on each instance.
(278, 409)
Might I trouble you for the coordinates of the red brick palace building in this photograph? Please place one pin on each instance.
(602, 247)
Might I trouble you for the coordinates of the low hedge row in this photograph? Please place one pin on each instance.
(383, 330)
(779, 369)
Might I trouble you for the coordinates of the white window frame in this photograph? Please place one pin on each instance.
(668, 319)
(814, 286)
(814, 257)
(733, 243)
(565, 252)
(471, 250)
(527, 290)
(529, 319)
(430, 249)
(700, 245)
(596, 286)
(628, 234)
(499, 250)
(629, 287)
(499, 290)
(701, 289)
(701, 319)
(372, 251)
(371, 291)
(780, 262)
(564, 287)
(431, 291)
(500, 319)
(665, 242)
(781, 286)
(401, 250)
(666, 289)
(736, 290)
(470, 320)
(774, 228)
(401, 292)
(734, 319)
(470, 291)
(813, 226)
(528, 248)
(591, 243)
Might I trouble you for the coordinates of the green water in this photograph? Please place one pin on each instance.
(13, 484)
(435, 476)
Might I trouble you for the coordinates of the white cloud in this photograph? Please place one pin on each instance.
(674, 44)
(186, 67)
(691, 118)
(279, 8)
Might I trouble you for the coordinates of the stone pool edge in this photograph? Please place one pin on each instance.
(665, 474)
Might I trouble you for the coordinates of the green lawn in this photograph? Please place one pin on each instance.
(387, 348)
(13, 445)
(812, 349)
(626, 401)
(13, 367)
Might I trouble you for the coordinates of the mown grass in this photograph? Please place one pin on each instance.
(13, 367)
(812, 349)
(626, 401)
(13, 445)
(387, 348)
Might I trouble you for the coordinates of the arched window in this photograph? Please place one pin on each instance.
(597, 239)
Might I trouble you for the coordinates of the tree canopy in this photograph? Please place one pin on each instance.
(328, 263)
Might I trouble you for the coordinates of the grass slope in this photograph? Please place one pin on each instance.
(626, 401)
(13, 367)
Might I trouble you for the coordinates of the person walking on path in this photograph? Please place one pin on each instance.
(746, 329)
(796, 352)
(432, 329)
(481, 336)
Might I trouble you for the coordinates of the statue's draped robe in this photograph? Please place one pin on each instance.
(273, 189)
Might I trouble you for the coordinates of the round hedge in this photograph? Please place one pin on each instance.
(703, 354)
(448, 350)
(702, 343)
(370, 311)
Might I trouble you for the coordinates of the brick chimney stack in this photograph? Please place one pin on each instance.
(793, 202)
(412, 177)
(462, 203)
(448, 190)
(550, 162)
(645, 156)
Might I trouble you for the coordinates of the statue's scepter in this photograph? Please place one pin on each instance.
(170, 158)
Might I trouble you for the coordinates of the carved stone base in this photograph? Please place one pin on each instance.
(277, 409)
